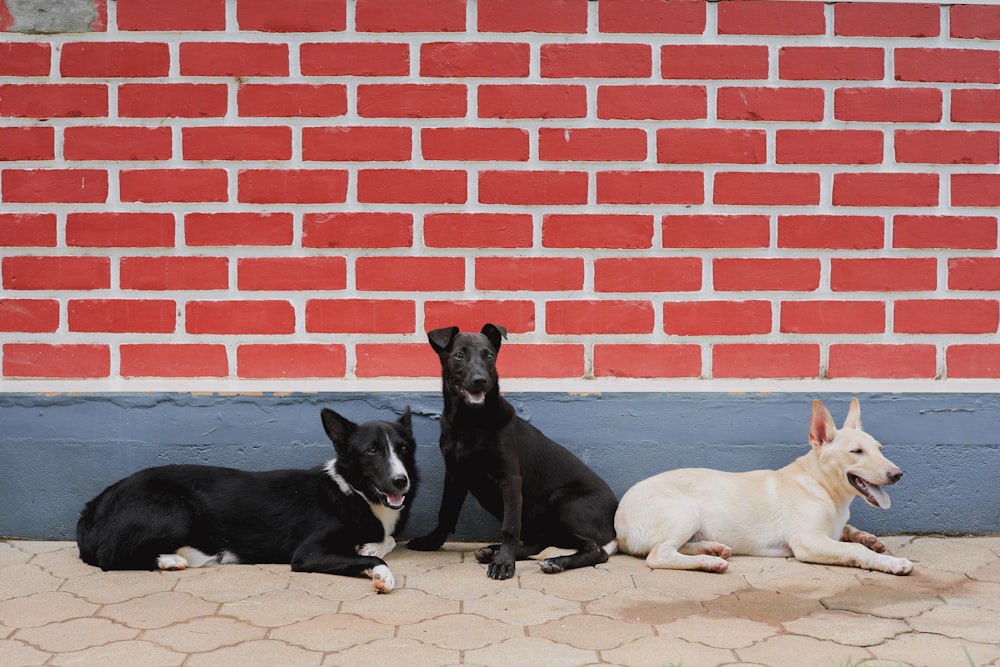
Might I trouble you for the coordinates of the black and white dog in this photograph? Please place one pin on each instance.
(337, 519)
(542, 493)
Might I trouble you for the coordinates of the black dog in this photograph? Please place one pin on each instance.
(337, 519)
(542, 494)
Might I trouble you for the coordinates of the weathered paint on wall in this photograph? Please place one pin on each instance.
(52, 16)
(57, 451)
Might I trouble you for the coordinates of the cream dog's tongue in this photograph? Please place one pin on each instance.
(881, 497)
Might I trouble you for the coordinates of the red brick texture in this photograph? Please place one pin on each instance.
(694, 190)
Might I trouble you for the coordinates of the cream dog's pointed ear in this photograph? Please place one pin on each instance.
(853, 419)
(822, 430)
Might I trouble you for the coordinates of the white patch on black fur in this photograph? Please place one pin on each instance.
(331, 471)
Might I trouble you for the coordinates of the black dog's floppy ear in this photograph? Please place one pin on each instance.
(440, 339)
(495, 333)
(338, 428)
(404, 422)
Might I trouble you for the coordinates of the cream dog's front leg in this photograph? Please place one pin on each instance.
(852, 534)
(818, 548)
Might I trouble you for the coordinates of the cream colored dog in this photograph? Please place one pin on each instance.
(694, 519)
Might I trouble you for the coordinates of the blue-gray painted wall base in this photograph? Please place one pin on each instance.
(58, 451)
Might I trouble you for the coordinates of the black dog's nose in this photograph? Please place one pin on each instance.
(400, 482)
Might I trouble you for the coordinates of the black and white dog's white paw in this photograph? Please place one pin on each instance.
(382, 579)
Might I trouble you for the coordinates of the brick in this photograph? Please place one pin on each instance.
(106, 60)
(832, 317)
(883, 274)
(768, 17)
(412, 100)
(42, 186)
(890, 105)
(975, 189)
(120, 230)
(944, 231)
(23, 272)
(193, 15)
(608, 316)
(885, 189)
(303, 16)
(651, 17)
(947, 147)
(412, 186)
(405, 16)
(236, 143)
(714, 61)
(881, 361)
(28, 230)
(647, 274)
(650, 187)
(532, 101)
(884, 19)
(475, 59)
(509, 144)
(596, 60)
(27, 143)
(291, 100)
(939, 316)
(732, 274)
(238, 317)
(29, 315)
(532, 187)
(831, 63)
(395, 360)
(529, 274)
(233, 59)
(749, 360)
(973, 361)
(757, 104)
(122, 315)
(173, 185)
(173, 273)
(974, 273)
(546, 16)
(975, 105)
(25, 59)
(362, 316)
(542, 361)
(592, 144)
(292, 186)
(845, 232)
(716, 231)
(291, 274)
(647, 361)
(117, 143)
(652, 102)
(766, 188)
(597, 230)
(302, 360)
(974, 21)
(54, 100)
(517, 315)
(948, 65)
(172, 100)
(238, 229)
(410, 274)
(56, 361)
(478, 230)
(716, 318)
(355, 59)
(364, 229)
(828, 147)
(711, 146)
(357, 144)
(173, 360)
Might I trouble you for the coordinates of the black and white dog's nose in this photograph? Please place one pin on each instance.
(400, 482)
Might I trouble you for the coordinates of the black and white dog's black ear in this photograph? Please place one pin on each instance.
(337, 427)
(441, 339)
(495, 333)
(405, 422)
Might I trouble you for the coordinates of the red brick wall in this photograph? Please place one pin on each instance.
(258, 189)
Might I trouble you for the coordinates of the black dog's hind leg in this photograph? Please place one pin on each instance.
(590, 554)
(452, 498)
(523, 552)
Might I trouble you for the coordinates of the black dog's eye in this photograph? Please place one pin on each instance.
(460, 355)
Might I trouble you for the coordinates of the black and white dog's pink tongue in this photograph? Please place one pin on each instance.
(395, 499)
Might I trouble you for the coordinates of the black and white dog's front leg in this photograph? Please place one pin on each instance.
(317, 554)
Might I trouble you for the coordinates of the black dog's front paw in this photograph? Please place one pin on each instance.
(501, 569)
(426, 543)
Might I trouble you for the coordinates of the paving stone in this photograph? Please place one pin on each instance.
(527, 651)
(228, 583)
(764, 606)
(129, 653)
(75, 634)
(461, 632)
(522, 607)
(719, 630)
(452, 582)
(111, 587)
(645, 607)
(63, 563)
(395, 651)
(692, 585)
(159, 610)
(18, 654)
(776, 651)
(805, 579)
(883, 601)
(43, 608)
(402, 607)
(931, 650)
(582, 585)
(11, 555)
(846, 627)
(23, 579)
(277, 608)
(328, 586)
(262, 653)
(978, 625)
(331, 632)
(941, 553)
(204, 634)
(590, 632)
(668, 651)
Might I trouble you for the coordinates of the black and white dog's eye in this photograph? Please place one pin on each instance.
(373, 450)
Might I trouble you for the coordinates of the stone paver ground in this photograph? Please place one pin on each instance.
(55, 610)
